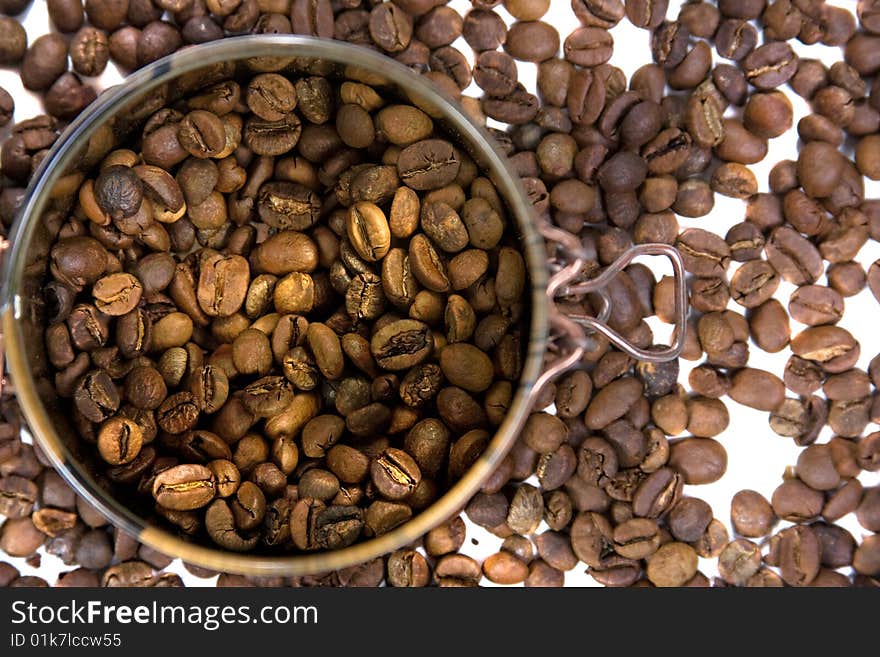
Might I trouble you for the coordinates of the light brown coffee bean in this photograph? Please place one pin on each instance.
(119, 441)
(402, 344)
(223, 284)
(368, 231)
(184, 487)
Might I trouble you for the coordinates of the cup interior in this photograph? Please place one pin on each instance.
(107, 124)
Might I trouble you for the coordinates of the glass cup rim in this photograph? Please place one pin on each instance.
(54, 166)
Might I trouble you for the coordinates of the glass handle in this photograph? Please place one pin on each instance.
(571, 333)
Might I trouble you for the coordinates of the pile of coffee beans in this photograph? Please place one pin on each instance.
(291, 319)
(597, 478)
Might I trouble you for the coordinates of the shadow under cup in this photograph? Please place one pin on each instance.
(105, 125)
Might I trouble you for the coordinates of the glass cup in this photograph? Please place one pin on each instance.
(107, 122)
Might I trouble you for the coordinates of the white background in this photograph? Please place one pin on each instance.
(757, 457)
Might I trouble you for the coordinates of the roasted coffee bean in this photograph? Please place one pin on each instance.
(96, 397)
(488, 510)
(118, 191)
(428, 443)
(272, 138)
(703, 118)
(14, 40)
(368, 231)
(222, 285)
(591, 537)
(402, 344)
(738, 561)
(252, 352)
(484, 30)
(847, 278)
(707, 417)
(444, 227)
(89, 51)
(395, 474)
(585, 98)
(794, 257)
(178, 413)
(43, 62)
(117, 294)
(119, 441)
(667, 151)
(526, 510)
(815, 305)
(673, 564)
(457, 570)
(819, 181)
(544, 433)
(94, 550)
(202, 134)
(312, 18)
(531, 41)
(267, 396)
(735, 39)
(408, 568)
(704, 254)
(769, 326)
(799, 555)
(637, 538)
(713, 541)
(7, 107)
(793, 500)
(17, 496)
(866, 157)
(694, 199)
(647, 14)
(381, 517)
(701, 460)
(740, 145)
(157, 39)
(757, 389)
(734, 180)
(184, 487)
(20, 538)
(751, 514)
(753, 283)
(746, 241)
(466, 366)
(428, 164)
(505, 568)
(226, 476)
(466, 450)
(815, 468)
(612, 402)
(271, 96)
(657, 493)
(446, 538)
(221, 527)
(768, 115)
(403, 125)
(127, 574)
(573, 394)
(834, 349)
(391, 27)
(495, 73)
(689, 519)
(587, 46)
(770, 65)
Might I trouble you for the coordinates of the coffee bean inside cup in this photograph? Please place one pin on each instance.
(284, 357)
